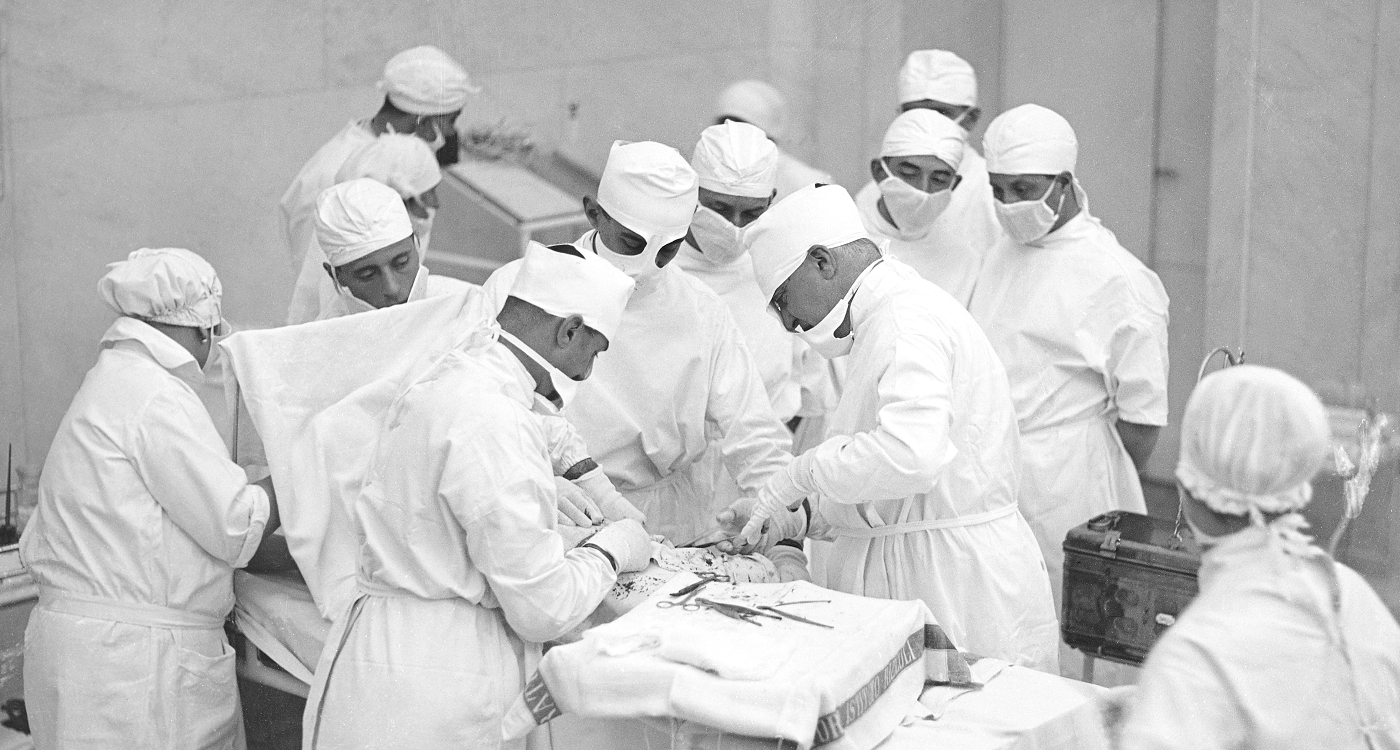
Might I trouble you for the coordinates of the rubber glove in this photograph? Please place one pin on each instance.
(779, 496)
(576, 508)
(613, 505)
(627, 542)
(734, 519)
(791, 563)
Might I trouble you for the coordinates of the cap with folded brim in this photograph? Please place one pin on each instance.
(564, 284)
(736, 158)
(358, 217)
(937, 75)
(1030, 139)
(168, 285)
(923, 132)
(650, 189)
(778, 240)
(426, 81)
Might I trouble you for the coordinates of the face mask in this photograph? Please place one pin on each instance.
(422, 229)
(564, 386)
(719, 241)
(640, 266)
(1028, 221)
(822, 336)
(913, 210)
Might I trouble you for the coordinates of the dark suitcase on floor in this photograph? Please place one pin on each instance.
(1127, 577)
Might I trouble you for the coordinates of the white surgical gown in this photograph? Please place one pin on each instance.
(950, 251)
(1277, 652)
(298, 204)
(918, 476)
(1081, 327)
(676, 379)
(795, 174)
(797, 379)
(141, 520)
(461, 572)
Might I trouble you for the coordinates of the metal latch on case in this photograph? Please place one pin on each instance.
(1109, 546)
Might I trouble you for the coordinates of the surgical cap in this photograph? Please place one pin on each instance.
(650, 189)
(1030, 139)
(164, 285)
(403, 162)
(356, 218)
(736, 158)
(425, 81)
(778, 240)
(1251, 440)
(563, 284)
(755, 102)
(939, 75)
(921, 132)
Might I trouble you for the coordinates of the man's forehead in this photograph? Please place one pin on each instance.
(926, 162)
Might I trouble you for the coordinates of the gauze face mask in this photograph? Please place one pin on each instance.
(822, 336)
(913, 210)
(1028, 221)
(422, 230)
(640, 266)
(564, 386)
(719, 241)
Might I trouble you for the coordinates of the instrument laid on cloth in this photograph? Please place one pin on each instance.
(1127, 578)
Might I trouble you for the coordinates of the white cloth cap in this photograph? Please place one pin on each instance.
(564, 284)
(650, 189)
(755, 102)
(356, 218)
(1251, 440)
(778, 240)
(939, 75)
(405, 163)
(736, 158)
(426, 81)
(167, 285)
(920, 132)
(1030, 139)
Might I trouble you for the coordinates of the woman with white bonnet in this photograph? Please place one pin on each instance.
(1283, 647)
(141, 520)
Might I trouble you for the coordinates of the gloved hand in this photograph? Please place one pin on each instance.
(775, 499)
(614, 506)
(627, 542)
(576, 508)
(791, 563)
(734, 519)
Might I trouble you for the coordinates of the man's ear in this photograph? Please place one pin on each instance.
(569, 329)
(825, 261)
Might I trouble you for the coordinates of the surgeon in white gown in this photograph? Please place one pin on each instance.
(736, 165)
(679, 378)
(917, 479)
(462, 574)
(372, 257)
(406, 164)
(1284, 648)
(424, 93)
(1081, 326)
(142, 519)
(761, 105)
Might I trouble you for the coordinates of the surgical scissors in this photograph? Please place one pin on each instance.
(687, 594)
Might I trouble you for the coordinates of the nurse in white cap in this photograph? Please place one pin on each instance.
(679, 393)
(424, 93)
(1081, 325)
(916, 482)
(405, 164)
(759, 104)
(142, 519)
(462, 573)
(736, 165)
(372, 260)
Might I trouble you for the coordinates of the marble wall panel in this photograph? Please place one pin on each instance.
(1187, 82)
(840, 117)
(841, 24)
(1095, 62)
(1186, 285)
(971, 30)
(81, 56)
(1307, 242)
(12, 416)
(884, 54)
(1380, 315)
